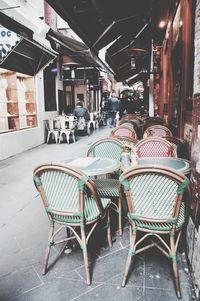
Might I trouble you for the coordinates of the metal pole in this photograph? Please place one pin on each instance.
(151, 100)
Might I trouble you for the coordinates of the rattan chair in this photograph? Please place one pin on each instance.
(158, 131)
(108, 187)
(155, 147)
(125, 131)
(71, 202)
(156, 212)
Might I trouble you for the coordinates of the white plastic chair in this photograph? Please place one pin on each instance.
(93, 121)
(52, 130)
(66, 131)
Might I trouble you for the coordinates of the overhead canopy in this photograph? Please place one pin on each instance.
(26, 55)
(118, 25)
(68, 46)
(75, 49)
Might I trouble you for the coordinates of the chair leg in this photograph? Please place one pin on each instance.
(73, 137)
(47, 252)
(85, 255)
(120, 216)
(131, 253)
(60, 136)
(48, 136)
(108, 229)
(67, 137)
(175, 267)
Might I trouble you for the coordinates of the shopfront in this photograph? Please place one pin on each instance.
(22, 60)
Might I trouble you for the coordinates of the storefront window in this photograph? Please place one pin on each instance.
(17, 101)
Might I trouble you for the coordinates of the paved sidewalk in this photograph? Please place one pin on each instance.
(23, 236)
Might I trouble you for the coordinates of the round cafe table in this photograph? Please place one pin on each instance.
(179, 164)
(94, 166)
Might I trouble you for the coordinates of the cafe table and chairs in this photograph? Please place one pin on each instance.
(71, 201)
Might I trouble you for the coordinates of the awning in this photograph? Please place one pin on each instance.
(121, 24)
(68, 46)
(27, 57)
(75, 49)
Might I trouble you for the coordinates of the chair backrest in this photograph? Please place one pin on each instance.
(158, 131)
(126, 141)
(106, 147)
(62, 120)
(125, 131)
(155, 147)
(63, 190)
(52, 124)
(154, 195)
(92, 118)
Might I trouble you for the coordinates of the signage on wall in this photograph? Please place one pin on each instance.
(8, 39)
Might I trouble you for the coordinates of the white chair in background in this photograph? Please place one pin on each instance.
(66, 131)
(53, 131)
(93, 121)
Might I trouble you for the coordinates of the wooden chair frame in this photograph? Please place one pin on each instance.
(48, 178)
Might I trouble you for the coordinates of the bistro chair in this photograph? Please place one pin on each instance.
(155, 147)
(156, 202)
(93, 121)
(53, 130)
(125, 131)
(65, 131)
(158, 131)
(108, 187)
(71, 202)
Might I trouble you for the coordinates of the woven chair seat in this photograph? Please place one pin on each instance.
(107, 187)
(91, 212)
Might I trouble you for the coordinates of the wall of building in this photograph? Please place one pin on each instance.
(193, 229)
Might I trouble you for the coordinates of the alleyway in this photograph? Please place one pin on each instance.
(23, 236)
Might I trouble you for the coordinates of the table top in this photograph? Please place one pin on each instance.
(93, 166)
(179, 164)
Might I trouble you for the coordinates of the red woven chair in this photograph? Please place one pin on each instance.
(125, 131)
(158, 131)
(155, 147)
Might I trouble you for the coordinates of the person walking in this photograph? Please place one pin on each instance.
(113, 108)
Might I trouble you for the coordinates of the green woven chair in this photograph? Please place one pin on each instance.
(156, 202)
(107, 148)
(71, 202)
(108, 187)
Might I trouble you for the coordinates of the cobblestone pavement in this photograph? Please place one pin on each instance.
(23, 236)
